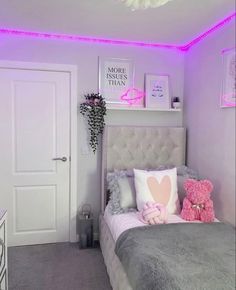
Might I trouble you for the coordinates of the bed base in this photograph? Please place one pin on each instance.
(115, 270)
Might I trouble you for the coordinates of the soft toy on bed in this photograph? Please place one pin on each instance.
(153, 213)
(197, 204)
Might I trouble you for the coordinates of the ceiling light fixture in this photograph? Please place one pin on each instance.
(144, 4)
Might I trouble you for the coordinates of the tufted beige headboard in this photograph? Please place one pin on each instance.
(140, 147)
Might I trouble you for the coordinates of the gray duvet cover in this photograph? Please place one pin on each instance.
(181, 256)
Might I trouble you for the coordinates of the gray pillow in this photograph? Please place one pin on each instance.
(119, 184)
(181, 191)
(187, 172)
(127, 192)
(184, 173)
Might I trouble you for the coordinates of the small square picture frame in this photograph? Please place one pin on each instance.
(157, 91)
(228, 92)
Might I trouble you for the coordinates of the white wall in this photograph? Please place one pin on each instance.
(211, 130)
(85, 56)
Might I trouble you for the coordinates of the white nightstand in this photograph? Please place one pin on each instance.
(3, 250)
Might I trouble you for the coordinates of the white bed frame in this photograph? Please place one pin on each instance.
(134, 147)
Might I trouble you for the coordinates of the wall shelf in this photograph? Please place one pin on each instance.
(131, 108)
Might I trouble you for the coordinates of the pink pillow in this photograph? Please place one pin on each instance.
(153, 213)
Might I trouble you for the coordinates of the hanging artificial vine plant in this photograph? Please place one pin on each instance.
(94, 108)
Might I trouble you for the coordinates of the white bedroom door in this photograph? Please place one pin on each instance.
(34, 155)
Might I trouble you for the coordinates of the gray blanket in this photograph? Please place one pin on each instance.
(179, 256)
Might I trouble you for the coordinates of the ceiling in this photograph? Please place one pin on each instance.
(177, 22)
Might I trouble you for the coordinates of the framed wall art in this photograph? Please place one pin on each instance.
(157, 91)
(228, 94)
(116, 76)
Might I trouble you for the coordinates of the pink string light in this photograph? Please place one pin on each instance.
(84, 38)
(227, 100)
(209, 31)
(68, 37)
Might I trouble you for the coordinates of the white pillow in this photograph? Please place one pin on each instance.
(127, 192)
(157, 186)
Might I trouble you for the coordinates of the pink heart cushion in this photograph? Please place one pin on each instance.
(158, 186)
(160, 191)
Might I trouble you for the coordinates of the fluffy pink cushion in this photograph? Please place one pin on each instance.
(153, 213)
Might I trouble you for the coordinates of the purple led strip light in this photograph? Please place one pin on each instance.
(205, 34)
(114, 41)
(84, 38)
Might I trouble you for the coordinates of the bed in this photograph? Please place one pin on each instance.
(137, 147)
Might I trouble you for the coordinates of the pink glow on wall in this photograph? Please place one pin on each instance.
(186, 47)
(229, 100)
(132, 96)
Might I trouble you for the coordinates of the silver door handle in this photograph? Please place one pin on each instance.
(64, 159)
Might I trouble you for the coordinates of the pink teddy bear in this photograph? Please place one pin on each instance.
(153, 213)
(197, 204)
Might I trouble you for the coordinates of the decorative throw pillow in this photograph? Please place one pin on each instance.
(184, 173)
(153, 213)
(127, 192)
(157, 186)
(120, 184)
(122, 191)
(123, 196)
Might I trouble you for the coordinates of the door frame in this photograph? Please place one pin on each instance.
(72, 70)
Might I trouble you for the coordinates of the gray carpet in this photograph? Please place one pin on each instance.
(61, 266)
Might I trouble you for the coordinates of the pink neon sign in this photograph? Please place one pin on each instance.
(225, 50)
(132, 96)
(229, 100)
